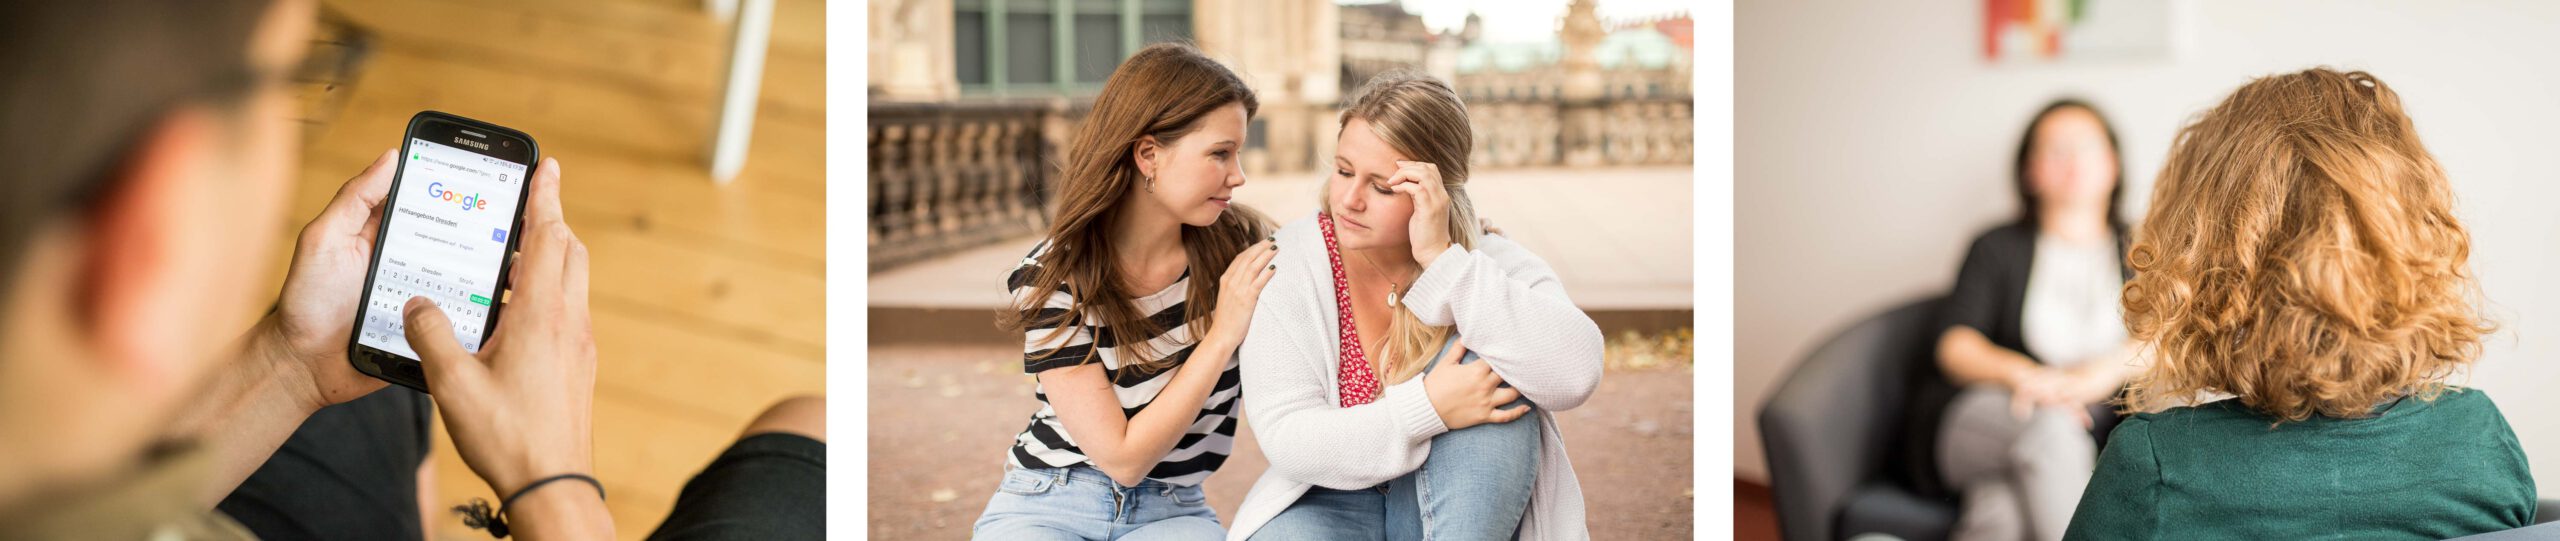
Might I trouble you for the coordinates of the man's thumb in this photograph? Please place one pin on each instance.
(431, 334)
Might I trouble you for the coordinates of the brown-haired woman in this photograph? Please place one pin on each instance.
(1377, 424)
(1135, 356)
(2302, 259)
(2035, 335)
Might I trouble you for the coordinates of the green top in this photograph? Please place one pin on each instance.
(2416, 470)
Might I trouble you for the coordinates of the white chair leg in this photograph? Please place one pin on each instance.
(752, 30)
(723, 11)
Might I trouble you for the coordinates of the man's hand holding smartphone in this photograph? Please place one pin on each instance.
(523, 408)
(313, 316)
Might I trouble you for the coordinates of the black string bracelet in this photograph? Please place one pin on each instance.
(477, 515)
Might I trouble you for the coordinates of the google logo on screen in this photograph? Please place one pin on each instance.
(469, 202)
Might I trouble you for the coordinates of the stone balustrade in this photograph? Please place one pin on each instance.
(950, 176)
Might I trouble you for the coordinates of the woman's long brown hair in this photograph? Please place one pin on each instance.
(1162, 91)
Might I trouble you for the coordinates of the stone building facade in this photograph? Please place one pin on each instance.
(971, 99)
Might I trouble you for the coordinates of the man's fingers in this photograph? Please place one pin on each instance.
(539, 265)
(541, 258)
(374, 183)
(352, 207)
(372, 227)
(573, 281)
(546, 193)
(430, 333)
(440, 353)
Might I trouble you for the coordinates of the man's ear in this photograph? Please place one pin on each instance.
(1146, 151)
(134, 298)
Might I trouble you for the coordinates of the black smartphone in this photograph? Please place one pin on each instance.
(448, 234)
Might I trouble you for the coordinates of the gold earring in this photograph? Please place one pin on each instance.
(1151, 184)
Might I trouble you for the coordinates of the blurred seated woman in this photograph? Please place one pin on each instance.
(2036, 337)
(2306, 285)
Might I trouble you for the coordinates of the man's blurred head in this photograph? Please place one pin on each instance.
(144, 149)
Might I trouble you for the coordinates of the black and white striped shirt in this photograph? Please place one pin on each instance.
(1045, 444)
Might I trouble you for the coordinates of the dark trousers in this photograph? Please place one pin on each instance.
(351, 472)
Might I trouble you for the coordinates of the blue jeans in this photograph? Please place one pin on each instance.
(1475, 485)
(1082, 503)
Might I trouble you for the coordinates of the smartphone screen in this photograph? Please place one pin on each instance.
(446, 232)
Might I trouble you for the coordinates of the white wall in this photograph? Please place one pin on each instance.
(1872, 142)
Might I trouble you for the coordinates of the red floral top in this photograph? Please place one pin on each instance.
(1359, 382)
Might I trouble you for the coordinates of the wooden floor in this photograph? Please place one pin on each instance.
(709, 300)
(1755, 512)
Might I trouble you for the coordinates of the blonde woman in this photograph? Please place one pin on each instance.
(1378, 423)
(2302, 259)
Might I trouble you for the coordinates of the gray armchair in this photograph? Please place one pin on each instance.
(1847, 435)
(1840, 433)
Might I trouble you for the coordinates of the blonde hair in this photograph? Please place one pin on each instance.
(2301, 254)
(1422, 118)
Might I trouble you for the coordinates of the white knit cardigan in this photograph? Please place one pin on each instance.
(1513, 313)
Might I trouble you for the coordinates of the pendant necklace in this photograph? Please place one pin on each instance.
(1392, 284)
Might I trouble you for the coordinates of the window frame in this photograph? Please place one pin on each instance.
(1062, 66)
